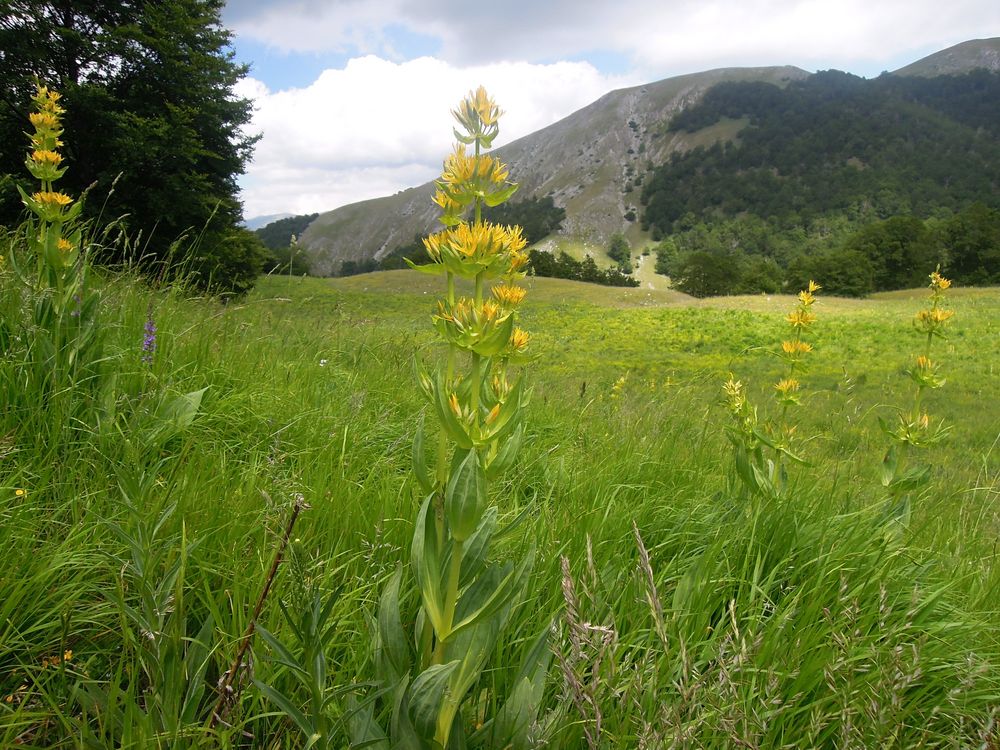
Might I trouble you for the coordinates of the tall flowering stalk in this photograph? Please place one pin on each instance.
(465, 599)
(914, 428)
(759, 473)
(63, 341)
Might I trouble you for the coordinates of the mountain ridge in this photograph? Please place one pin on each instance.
(592, 162)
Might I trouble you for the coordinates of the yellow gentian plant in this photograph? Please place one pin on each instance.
(759, 473)
(914, 427)
(63, 339)
(465, 599)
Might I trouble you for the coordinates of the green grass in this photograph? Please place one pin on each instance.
(801, 623)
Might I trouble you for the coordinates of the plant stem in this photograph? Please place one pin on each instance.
(221, 706)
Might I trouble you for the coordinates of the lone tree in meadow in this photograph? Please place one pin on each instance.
(148, 93)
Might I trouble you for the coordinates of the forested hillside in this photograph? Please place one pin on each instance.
(835, 143)
(864, 183)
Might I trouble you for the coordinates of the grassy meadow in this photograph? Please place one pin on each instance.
(134, 546)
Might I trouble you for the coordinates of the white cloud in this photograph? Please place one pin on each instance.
(375, 127)
(663, 37)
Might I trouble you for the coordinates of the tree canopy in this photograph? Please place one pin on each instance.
(151, 123)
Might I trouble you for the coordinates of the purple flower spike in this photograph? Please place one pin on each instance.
(149, 341)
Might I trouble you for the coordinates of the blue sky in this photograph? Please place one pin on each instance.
(352, 96)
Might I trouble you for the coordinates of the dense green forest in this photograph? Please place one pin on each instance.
(836, 143)
(865, 183)
(278, 234)
(152, 129)
(748, 254)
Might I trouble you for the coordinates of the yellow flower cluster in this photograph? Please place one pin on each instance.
(483, 328)
(509, 295)
(795, 349)
(479, 115)
(932, 320)
(480, 248)
(44, 160)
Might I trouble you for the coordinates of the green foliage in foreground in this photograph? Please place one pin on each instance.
(129, 572)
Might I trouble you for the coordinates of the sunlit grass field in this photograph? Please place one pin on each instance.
(680, 616)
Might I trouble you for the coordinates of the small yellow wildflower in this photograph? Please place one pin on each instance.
(796, 347)
(43, 156)
(19, 492)
(477, 110)
(800, 318)
(68, 654)
(923, 363)
(813, 287)
(52, 199)
(65, 245)
(934, 316)
(509, 294)
(44, 120)
(454, 405)
(806, 298)
(939, 282)
(785, 386)
(519, 339)
(494, 412)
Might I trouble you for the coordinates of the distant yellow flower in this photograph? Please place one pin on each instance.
(785, 386)
(796, 347)
(44, 120)
(806, 298)
(494, 412)
(67, 654)
(923, 363)
(800, 318)
(477, 110)
(52, 199)
(509, 294)
(454, 405)
(934, 316)
(42, 156)
(939, 282)
(519, 339)
(19, 492)
(65, 245)
(813, 287)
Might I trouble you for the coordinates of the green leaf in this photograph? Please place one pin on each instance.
(889, 463)
(362, 727)
(420, 459)
(495, 199)
(431, 269)
(426, 695)
(477, 547)
(911, 479)
(455, 429)
(476, 604)
(181, 409)
(425, 558)
(290, 709)
(510, 727)
(465, 496)
(507, 454)
(394, 652)
(196, 662)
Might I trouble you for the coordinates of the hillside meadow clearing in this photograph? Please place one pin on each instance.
(679, 613)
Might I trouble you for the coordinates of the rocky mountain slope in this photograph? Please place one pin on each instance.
(588, 162)
(977, 53)
(592, 162)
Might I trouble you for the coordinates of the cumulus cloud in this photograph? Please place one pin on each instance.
(665, 37)
(375, 126)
